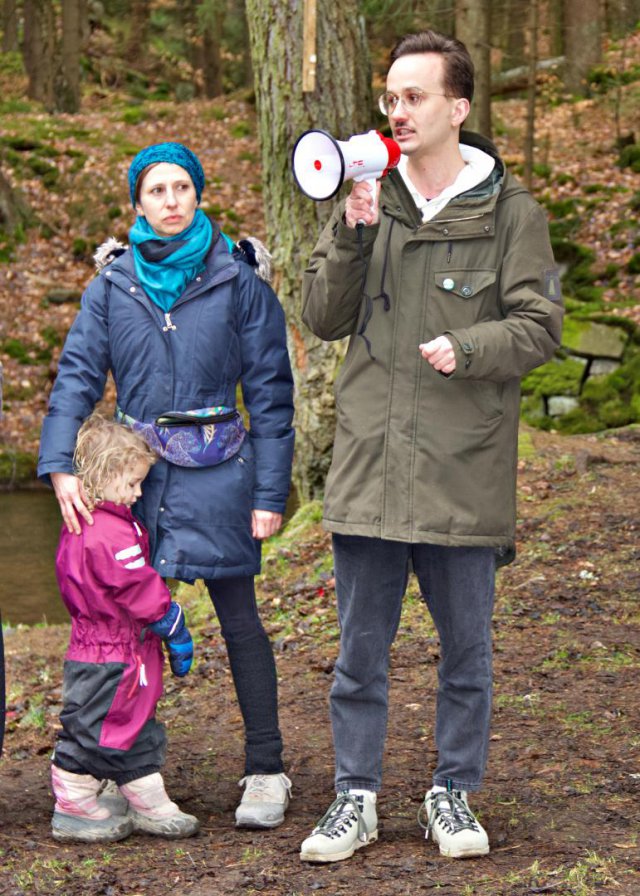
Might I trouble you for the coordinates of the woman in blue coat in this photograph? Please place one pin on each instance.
(180, 319)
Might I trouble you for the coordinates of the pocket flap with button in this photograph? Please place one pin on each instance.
(464, 284)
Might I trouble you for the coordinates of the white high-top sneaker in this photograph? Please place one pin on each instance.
(349, 823)
(452, 824)
(78, 816)
(152, 812)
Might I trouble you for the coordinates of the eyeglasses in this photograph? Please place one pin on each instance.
(410, 99)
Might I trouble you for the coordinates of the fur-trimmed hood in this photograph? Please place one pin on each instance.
(250, 250)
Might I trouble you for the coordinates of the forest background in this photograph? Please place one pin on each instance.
(83, 86)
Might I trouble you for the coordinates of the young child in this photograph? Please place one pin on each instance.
(121, 612)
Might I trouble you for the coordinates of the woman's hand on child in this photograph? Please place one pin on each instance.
(71, 499)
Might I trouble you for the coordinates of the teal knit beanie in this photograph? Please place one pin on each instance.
(174, 154)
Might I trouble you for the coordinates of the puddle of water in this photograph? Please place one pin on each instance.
(29, 530)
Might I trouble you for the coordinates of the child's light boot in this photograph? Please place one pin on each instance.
(152, 812)
(77, 814)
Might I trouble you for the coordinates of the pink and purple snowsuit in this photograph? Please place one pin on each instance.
(113, 666)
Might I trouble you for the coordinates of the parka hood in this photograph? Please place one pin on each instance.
(396, 200)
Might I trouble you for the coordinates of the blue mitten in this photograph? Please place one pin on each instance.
(175, 634)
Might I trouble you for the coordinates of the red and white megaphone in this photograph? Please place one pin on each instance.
(321, 164)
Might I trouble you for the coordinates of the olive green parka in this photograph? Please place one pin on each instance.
(419, 456)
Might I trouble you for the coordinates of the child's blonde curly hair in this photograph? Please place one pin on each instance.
(104, 450)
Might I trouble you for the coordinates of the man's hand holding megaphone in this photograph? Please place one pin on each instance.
(321, 164)
(361, 206)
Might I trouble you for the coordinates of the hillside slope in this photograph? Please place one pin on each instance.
(72, 171)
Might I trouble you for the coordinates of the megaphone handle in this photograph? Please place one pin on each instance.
(373, 183)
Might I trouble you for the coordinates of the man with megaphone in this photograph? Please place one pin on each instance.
(447, 289)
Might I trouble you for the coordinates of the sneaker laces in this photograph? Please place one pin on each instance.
(260, 786)
(450, 810)
(339, 818)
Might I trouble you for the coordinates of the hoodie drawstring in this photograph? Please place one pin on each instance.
(383, 294)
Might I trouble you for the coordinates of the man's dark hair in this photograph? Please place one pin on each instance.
(458, 66)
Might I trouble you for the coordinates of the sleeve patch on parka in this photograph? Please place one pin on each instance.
(552, 288)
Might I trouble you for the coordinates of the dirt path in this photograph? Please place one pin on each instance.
(561, 797)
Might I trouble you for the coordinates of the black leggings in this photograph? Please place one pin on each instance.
(234, 601)
(253, 669)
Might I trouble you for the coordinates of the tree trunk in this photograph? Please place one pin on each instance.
(554, 17)
(621, 16)
(191, 28)
(440, 15)
(211, 63)
(513, 28)
(341, 103)
(208, 22)
(238, 11)
(39, 50)
(529, 140)
(9, 26)
(473, 28)
(583, 41)
(67, 94)
(14, 211)
(135, 47)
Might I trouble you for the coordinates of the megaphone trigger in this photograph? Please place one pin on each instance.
(321, 164)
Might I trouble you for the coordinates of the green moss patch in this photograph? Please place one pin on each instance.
(584, 337)
(557, 377)
(26, 352)
(605, 402)
(16, 467)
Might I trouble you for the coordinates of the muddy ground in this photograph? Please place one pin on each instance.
(561, 797)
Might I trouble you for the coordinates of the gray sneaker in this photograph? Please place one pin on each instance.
(447, 817)
(349, 823)
(264, 801)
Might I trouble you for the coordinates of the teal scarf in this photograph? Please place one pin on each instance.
(165, 265)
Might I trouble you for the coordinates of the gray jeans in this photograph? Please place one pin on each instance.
(457, 585)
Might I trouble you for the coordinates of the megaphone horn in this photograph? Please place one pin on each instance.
(321, 164)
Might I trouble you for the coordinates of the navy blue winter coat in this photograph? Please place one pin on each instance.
(227, 327)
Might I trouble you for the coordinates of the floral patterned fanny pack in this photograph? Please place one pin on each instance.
(200, 438)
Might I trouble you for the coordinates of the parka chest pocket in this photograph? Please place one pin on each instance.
(465, 284)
